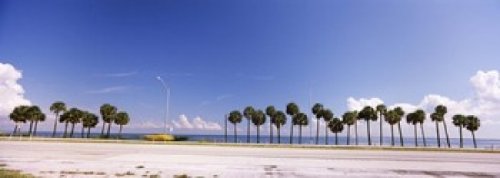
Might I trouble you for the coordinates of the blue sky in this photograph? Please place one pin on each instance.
(223, 55)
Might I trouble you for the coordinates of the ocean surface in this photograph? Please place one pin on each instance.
(342, 139)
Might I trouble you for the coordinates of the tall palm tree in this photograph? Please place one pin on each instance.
(19, 115)
(368, 114)
(336, 126)
(258, 119)
(442, 110)
(473, 124)
(108, 113)
(356, 127)
(420, 117)
(57, 108)
(436, 117)
(391, 117)
(279, 121)
(401, 114)
(39, 116)
(32, 113)
(349, 118)
(248, 113)
(121, 119)
(460, 121)
(292, 109)
(327, 116)
(271, 111)
(64, 118)
(317, 110)
(89, 121)
(75, 116)
(412, 119)
(381, 109)
(235, 117)
(301, 120)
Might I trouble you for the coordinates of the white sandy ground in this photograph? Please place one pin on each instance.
(50, 159)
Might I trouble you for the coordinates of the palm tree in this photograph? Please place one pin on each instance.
(473, 124)
(460, 121)
(400, 113)
(420, 117)
(34, 116)
(349, 118)
(271, 111)
(327, 116)
(381, 109)
(301, 120)
(412, 119)
(248, 113)
(57, 108)
(89, 121)
(108, 113)
(368, 114)
(436, 117)
(292, 109)
(391, 117)
(19, 115)
(258, 119)
(336, 126)
(121, 120)
(317, 111)
(39, 116)
(279, 121)
(235, 118)
(75, 116)
(64, 118)
(442, 110)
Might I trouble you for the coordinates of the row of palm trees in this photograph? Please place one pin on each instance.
(335, 125)
(33, 115)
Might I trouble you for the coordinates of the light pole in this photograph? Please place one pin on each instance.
(168, 98)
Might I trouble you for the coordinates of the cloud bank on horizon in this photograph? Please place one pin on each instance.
(485, 103)
(11, 92)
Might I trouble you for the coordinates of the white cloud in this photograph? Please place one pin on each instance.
(108, 90)
(11, 92)
(485, 103)
(195, 124)
(123, 74)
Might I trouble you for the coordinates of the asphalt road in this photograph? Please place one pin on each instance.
(51, 159)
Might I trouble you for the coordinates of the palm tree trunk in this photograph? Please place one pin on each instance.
(447, 136)
(270, 132)
(415, 132)
(317, 131)
(109, 129)
(72, 129)
(248, 131)
(279, 135)
(83, 131)
(15, 129)
(348, 134)
(368, 132)
(461, 138)
(258, 134)
(31, 127)
(120, 134)
(300, 134)
(423, 134)
(36, 126)
(88, 132)
(235, 134)
(400, 134)
(381, 135)
(438, 139)
(291, 134)
(103, 126)
(474, 139)
(225, 128)
(55, 126)
(392, 135)
(336, 139)
(326, 133)
(356, 131)
(65, 129)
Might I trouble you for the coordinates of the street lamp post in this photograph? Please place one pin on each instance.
(168, 98)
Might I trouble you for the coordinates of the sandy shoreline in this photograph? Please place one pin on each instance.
(52, 159)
